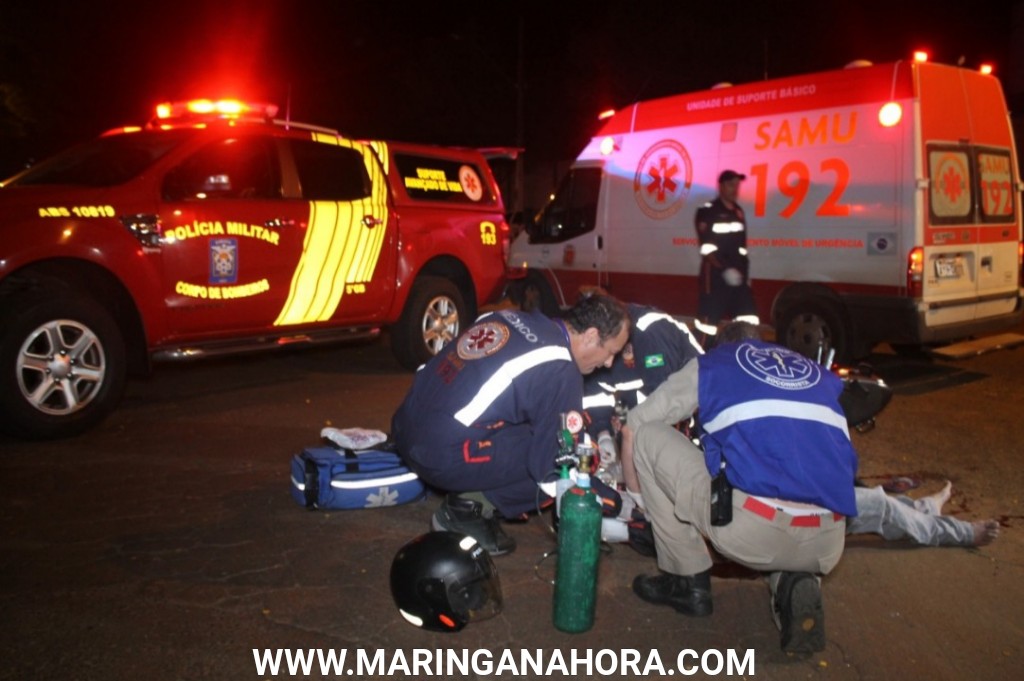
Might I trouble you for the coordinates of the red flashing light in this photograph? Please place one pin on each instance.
(920, 56)
(985, 69)
(606, 114)
(446, 621)
(221, 108)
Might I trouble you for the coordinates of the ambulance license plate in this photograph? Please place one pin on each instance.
(949, 268)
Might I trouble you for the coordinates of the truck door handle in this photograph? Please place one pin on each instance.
(600, 243)
(987, 262)
(370, 221)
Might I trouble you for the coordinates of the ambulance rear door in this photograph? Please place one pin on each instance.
(1000, 231)
(972, 220)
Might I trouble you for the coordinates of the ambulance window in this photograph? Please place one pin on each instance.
(428, 178)
(573, 210)
(950, 200)
(328, 172)
(233, 168)
(995, 185)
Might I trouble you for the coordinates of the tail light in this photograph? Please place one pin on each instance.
(506, 240)
(1020, 264)
(915, 272)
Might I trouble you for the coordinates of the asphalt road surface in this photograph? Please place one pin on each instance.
(165, 545)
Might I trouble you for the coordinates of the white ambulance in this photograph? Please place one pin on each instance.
(881, 205)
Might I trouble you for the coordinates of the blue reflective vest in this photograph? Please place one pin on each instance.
(774, 416)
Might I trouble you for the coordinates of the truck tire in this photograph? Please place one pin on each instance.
(62, 366)
(533, 293)
(808, 324)
(434, 315)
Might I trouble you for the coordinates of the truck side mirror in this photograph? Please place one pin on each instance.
(530, 224)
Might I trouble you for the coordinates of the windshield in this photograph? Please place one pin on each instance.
(104, 162)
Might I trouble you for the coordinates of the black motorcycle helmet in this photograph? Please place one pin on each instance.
(443, 580)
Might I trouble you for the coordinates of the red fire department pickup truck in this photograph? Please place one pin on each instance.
(215, 229)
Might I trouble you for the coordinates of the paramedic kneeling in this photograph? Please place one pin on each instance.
(482, 418)
(772, 422)
(724, 278)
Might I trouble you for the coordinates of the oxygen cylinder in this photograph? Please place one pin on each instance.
(562, 485)
(579, 547)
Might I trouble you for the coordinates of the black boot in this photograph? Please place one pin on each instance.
(799, 613)
(689, 595)
(465, 516)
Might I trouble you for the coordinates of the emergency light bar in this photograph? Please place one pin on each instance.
(221, 108)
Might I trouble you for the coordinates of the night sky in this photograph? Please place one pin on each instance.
(443, 72)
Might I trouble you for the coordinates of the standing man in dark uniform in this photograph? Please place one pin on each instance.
(482, 418)
(724, 278)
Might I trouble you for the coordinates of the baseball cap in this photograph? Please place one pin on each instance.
(730, 175)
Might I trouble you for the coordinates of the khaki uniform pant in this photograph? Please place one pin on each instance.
(676, 489)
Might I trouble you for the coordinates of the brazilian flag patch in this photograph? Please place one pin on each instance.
(651, 361)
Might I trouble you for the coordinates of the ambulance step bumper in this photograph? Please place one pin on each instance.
(978, 346)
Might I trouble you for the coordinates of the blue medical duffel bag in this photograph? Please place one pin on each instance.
(330, 478)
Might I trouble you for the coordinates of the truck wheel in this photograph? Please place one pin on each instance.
(434, 315)
(808, 325)
(533, 293)
(537, 289)
(62, 366)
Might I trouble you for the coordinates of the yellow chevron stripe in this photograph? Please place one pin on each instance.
(382, 153)
(338, 249)
(380, 209)
(325, 138)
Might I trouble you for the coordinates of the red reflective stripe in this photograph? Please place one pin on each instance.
(806, 521)
(470, 458)
(762, 509)
(759, 508)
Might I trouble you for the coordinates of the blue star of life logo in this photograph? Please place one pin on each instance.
(385, 496)
(778, 366)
